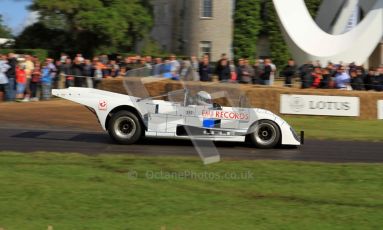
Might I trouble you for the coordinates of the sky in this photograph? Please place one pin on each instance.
(16, 15)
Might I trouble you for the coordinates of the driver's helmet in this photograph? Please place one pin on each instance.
(204, 98)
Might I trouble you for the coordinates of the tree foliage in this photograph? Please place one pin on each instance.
(247, 24)
(90, 26)
(39, 36)
(313, 6)
(5, 32)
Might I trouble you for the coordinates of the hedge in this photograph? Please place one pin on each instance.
(41, 54)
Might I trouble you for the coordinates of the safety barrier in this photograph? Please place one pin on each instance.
(265, 97)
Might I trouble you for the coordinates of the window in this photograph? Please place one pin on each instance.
(207, 9)
(205, 48)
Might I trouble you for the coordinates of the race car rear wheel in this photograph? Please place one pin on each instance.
(125, 128)
(265, 134)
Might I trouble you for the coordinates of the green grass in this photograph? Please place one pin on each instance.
(337, 128)
(70, 191)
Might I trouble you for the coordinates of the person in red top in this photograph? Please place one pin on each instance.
(21, 80)
(35, 81)
(316, 77)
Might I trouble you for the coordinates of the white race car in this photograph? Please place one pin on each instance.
(128, 118)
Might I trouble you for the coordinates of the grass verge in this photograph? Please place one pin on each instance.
(337, 128)
(71, 191)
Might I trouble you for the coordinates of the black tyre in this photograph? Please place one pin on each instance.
(265, 134)
(125, 128)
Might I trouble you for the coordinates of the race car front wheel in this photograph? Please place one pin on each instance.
(125, 128)
(265, 134)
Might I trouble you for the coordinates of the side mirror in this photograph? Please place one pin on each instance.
(217, 106)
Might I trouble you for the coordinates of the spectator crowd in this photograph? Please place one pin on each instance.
(334, 76)
(25, 78)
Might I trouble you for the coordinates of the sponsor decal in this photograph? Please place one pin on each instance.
(102, 105)
(211, 123)
(319, 105)
(297, 104)
(189, 112)
(227, 115)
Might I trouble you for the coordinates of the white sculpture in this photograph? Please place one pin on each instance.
(325, 42)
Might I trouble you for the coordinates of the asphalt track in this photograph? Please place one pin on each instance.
(93, 143)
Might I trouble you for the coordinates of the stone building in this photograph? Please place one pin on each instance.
(194, 27)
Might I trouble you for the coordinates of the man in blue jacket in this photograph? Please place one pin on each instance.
(46, 81)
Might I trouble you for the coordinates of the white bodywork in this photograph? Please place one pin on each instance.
(163, 118)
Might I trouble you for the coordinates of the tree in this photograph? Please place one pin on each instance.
(41, 37)
(247, 24)
(5, 32)
(313, 6)
(94, 26)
